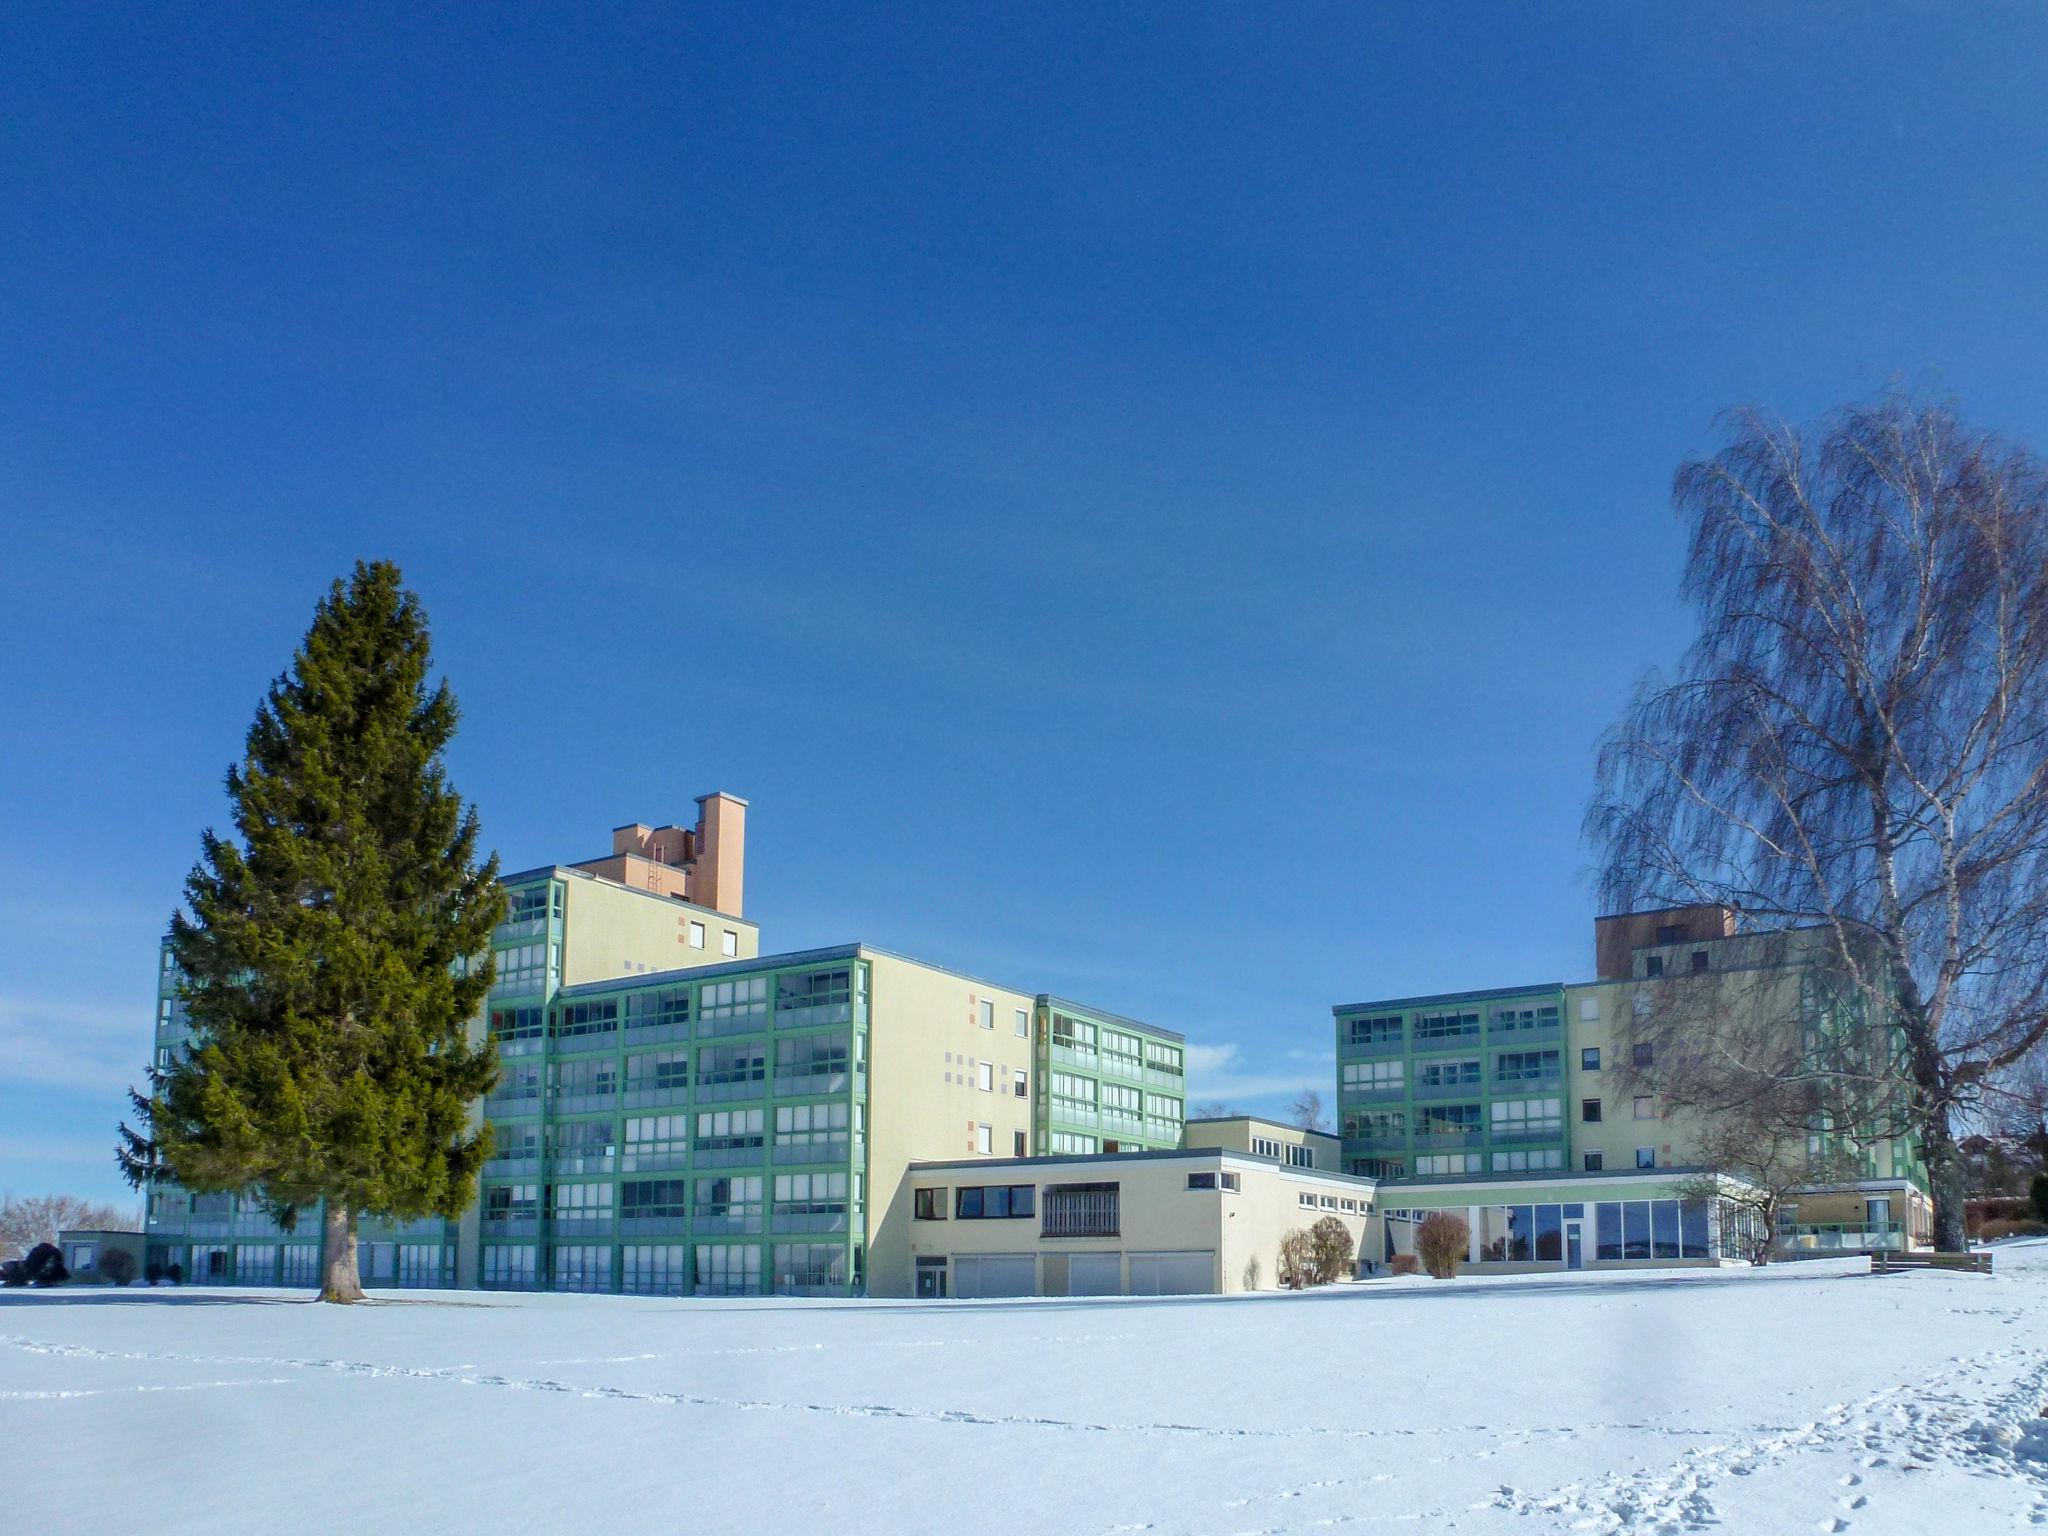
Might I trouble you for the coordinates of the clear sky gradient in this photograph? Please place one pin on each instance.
(1151, 503)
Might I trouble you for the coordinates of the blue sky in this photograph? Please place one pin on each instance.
(1155, 504)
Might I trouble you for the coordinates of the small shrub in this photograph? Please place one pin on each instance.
(13, 1273)
(1442, 1240)
(1405, 1264)
(1993, 1230)
(1334, 1253)
(1251, 1273)
(118, 1265)
(2039, 1193)
(153, 1272)
(1297, 1259)
(46, 1265)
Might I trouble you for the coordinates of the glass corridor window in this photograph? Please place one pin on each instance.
(813, 1056)
(813, 1125)
(1455, 1025)
(1525, 1066)
(1374, 1076)
(655, 1269)
(1122, 1053)
(658, 1072)
(810, 1267)
(733, 1063)
(668, 1008)
(729, 1129)
(1383, 1031)
(814, 997)
(508, 1268)
(728, 1269)
(596, 1018)
(739, 1003)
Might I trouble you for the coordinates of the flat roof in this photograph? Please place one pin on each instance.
(519, 876)
(1391, 1188)
(1278, 1125)
(1483, 995)
(769, 962)
(1104, 1016)
(1101, 1160)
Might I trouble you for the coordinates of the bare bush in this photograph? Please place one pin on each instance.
(1442, 1240)
(1297, 1259)
(1335, 1251)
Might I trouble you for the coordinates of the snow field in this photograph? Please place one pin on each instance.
(1798, 1398)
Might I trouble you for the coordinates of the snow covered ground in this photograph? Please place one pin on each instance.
(1799, 1398)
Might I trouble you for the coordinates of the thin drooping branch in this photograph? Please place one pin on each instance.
(1857, 743)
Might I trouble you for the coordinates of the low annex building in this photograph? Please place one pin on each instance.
(1198, 1221)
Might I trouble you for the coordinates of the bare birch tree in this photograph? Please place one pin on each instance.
(1858, 741)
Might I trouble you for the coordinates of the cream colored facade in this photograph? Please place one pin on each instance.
(1253, 1134)
(1177, 1228)
(928, 1060)
(620, 931)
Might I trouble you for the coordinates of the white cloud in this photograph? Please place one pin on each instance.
(1218, 1072)
(90, 1047)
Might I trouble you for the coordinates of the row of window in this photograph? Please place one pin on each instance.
(1114, 1049)
(795, 1125)
(1344, 1203)
(670, 1071)
(1510, 1119)
(1079, 1099)
(669, 1269)
(795, 1194)
(1294, 1154)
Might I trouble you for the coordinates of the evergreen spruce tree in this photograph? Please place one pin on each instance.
(333, 956)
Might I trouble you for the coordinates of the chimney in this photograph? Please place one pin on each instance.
(719, 878)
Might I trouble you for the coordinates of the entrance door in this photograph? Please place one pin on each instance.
(1574, 1245)
(931, 1279)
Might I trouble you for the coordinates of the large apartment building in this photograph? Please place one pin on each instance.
(1510, 1104)
(679, 1113)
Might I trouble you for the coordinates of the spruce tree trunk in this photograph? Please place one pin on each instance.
(338, 1278)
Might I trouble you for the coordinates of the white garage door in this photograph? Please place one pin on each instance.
(1173, 1274)
(1095, 1274)
(994, 1274)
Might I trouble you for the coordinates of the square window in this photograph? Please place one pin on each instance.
(988, 1014)
(1644, 1054)
(1019, 1084)
(985, 1076)
(1023, 1024)
(1589, 1009)
(927, 1205)
(1646, 1157)
(984, 1140)
(696, 935)
(728, 943)
(1016, 1144)
(1589, 1111)
(1699, 961)
(1653, 966)
(1645, 1107)
(1595, 1161)
(1589, 1059)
